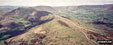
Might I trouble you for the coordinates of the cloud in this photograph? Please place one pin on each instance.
(53, 2)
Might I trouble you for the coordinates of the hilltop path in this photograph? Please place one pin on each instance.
(81, 29)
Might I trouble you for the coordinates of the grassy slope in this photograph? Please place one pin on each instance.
(61, 35)
(56, 34)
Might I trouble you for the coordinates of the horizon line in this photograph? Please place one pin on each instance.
(56, 6)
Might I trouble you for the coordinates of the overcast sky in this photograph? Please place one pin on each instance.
(53, 2)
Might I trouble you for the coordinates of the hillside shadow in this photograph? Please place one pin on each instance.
(18, 31)
(103, 23)
(63, 23)
(65, 17)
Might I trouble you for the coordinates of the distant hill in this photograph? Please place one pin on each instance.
(23, 14)
(45, 8)
(9, 7)
(5, 9)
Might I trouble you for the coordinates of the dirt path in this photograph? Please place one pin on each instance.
(81, 29)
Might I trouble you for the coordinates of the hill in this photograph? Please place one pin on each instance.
(56, 32)
(65, 25)
(30, 26)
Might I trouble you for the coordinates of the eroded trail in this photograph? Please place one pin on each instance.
(82, 29)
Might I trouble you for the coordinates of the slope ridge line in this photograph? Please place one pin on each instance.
(80, 27)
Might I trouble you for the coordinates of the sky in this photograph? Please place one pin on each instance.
(53, 2)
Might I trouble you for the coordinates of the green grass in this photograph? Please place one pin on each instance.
(29, 40)
(2, 43)
(4, 36)
(55, 29)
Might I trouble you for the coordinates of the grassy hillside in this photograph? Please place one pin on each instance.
(56, 32)
(65, 25)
